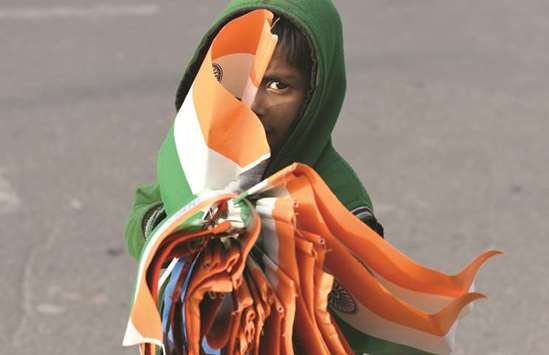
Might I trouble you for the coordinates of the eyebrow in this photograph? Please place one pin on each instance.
(288, 77)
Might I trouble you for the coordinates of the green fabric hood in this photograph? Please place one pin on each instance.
(321, 23)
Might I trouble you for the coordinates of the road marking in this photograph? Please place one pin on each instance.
(9, 201)
(50, 309)
(62, 12)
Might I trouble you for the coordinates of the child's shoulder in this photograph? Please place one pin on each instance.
(342, 179)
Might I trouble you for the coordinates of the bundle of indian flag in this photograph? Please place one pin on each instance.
(264, 270)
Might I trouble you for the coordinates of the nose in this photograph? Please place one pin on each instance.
(260, 103)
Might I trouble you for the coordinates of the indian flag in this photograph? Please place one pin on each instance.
(383, 293)
(144, 325)
(216, 136)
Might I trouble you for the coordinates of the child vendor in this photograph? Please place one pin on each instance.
(298, 103)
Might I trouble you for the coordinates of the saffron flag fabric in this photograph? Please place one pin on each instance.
(265, 269)
(216, 137)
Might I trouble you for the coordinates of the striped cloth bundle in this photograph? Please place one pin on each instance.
(264, 270)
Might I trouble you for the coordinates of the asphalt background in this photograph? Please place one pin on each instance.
(445, 121)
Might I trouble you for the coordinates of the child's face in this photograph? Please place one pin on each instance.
(279, 98)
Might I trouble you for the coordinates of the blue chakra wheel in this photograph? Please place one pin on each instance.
(218, 71)
(340, 300)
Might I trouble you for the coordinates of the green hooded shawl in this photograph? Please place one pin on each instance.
(309, 140)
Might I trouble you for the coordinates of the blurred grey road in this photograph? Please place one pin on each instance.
(446, 121)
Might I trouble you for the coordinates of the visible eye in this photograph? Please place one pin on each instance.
(276, 85)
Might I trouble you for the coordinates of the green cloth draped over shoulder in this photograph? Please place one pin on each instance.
(309, 140)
